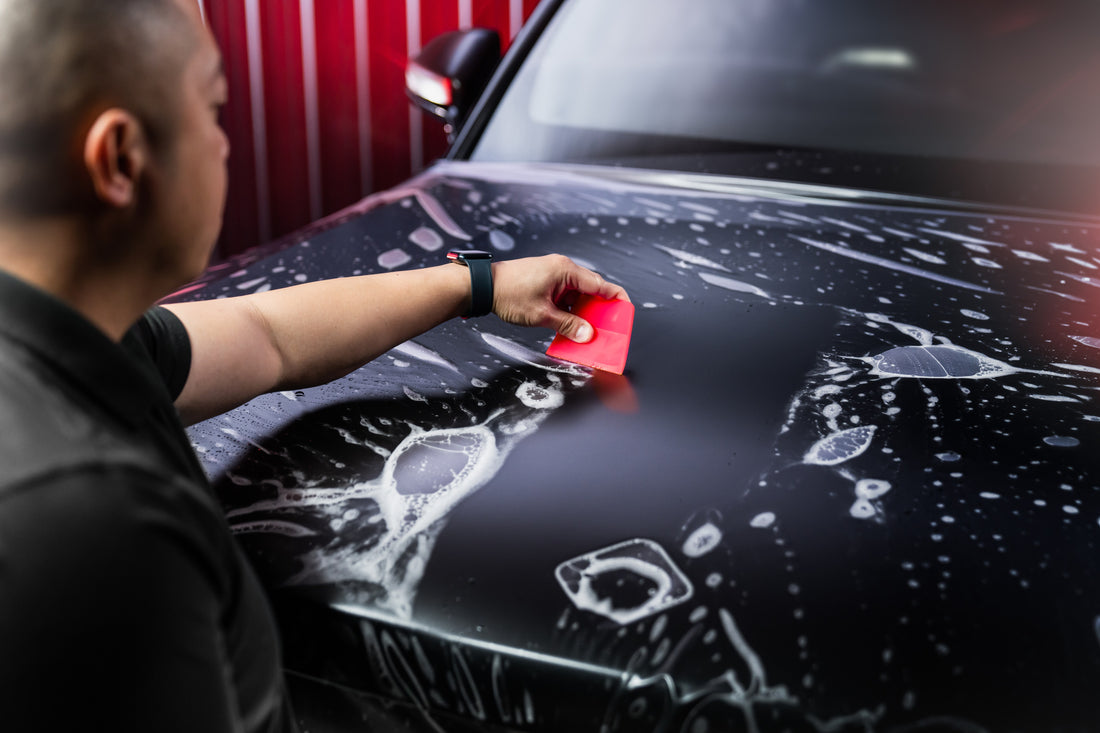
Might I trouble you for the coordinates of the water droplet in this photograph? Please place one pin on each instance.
(862, 509)
(763, 520)
(501, 241)
(1089, 341)
(688, 258)
(728, 283)
(841, 446)
(642, 564)
(539, 397)
(870, 488)
(937, 362)
(702, 540)
(393, 258)
(427, 239)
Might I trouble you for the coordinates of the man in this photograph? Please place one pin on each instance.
(124, 603)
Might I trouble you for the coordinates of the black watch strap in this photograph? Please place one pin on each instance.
(480, 265)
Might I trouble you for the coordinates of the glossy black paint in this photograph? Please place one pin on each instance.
(863, 433)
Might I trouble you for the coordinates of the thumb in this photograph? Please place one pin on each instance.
(575, 328)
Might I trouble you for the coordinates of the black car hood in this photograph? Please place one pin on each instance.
(847, 479)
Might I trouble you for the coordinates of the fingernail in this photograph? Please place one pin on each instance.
(584, 334)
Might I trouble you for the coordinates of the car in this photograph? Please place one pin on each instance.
(847, 480)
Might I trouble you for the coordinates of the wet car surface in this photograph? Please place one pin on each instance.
(848, 481)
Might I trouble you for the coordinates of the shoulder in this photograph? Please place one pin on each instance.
(45, 419)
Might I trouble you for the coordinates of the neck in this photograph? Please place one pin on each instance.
(61, 258)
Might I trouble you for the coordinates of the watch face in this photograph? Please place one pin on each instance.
(469, 254)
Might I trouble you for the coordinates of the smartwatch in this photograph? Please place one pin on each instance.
(479, 263)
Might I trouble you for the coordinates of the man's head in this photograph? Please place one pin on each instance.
(109, 121)
(62, 62)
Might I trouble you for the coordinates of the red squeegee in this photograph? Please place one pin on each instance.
(613, 320)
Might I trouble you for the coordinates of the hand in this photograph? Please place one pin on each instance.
(537, 291)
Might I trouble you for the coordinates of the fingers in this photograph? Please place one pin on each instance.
(540, 291)
(590, 282)
(572, 327)
(586, 281)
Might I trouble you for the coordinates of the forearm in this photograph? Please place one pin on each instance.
(326, 329)
(313, 333)
(307, 334)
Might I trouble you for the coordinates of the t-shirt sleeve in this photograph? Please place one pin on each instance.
(161, 336)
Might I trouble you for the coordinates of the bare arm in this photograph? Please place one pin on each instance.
(313, 333)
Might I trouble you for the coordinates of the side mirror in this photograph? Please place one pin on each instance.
(449, 73)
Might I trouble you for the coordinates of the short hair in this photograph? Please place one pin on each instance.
(62, 62)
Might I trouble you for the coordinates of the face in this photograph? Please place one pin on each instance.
(194, 165)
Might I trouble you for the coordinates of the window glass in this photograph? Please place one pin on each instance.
(979, 80)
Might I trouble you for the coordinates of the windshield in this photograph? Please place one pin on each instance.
(739, 86)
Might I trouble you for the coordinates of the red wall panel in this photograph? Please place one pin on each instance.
(390, 140)
(493, 14)
(241, 225)
(337, 103)
(284, 107)
(437, 16)
(317, 115)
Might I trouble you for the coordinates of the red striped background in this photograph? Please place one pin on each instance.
(317, 116)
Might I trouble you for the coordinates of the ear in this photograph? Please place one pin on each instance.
(115, 156)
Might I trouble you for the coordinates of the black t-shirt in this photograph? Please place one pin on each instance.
(125, 604)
